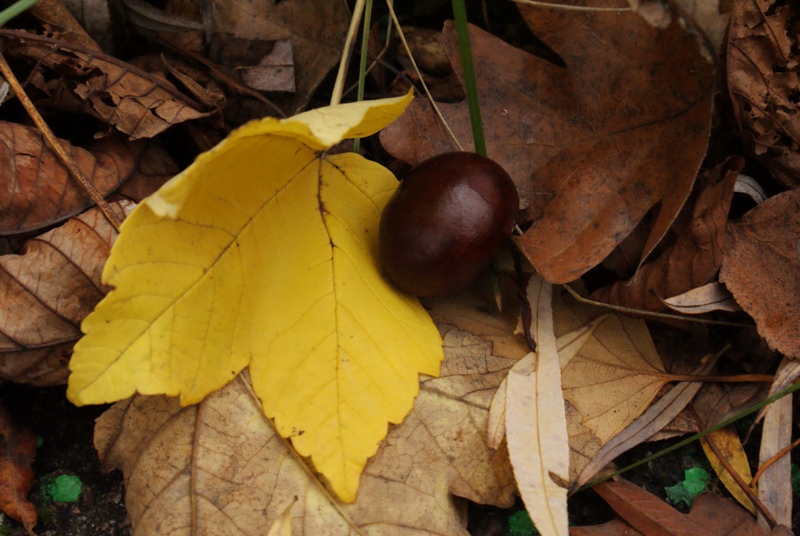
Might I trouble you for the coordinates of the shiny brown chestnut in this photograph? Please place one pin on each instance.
(449, 216)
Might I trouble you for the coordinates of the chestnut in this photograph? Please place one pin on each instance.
(447, 219)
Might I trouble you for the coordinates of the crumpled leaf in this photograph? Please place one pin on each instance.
(762, 68)
(695, 257)
(46, 292)
(37, 189)
(220, 468)
(266, 256)
(761, 268)
(137, 103)
(17, 451)
(590, 147)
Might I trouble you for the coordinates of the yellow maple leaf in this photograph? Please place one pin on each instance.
(262, 253)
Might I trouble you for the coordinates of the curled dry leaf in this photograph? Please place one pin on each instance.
(694, 259)
(705, 299)
(137, 103)
(763, 64)
(761, 268)
(591, 147)
(38, 191)
(47, 291)
(218, 467)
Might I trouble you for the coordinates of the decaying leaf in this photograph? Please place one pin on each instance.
(219, 467)
(722, 517)
(47, 291)
(761, 268)
(269, 261)
(695, 257)
(137, 103)
(37, 189)
(704, 299)
(17, 450)
(591, 147)
(762, 68)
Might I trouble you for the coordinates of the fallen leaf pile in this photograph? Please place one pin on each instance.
(267, 379)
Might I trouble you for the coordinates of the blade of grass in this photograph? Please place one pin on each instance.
(470, 86)
(15, 9)
(676, 446)
(362, 66)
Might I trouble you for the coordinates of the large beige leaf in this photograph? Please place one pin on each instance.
(219, 467)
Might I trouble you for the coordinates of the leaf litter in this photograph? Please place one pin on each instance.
(598, 150)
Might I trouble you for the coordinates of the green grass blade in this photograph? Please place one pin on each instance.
(362, 66)
(471, 87)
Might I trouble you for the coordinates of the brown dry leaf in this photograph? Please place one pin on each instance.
(38, 191)
(730, 446)
(316, 29)
(591, 148)
(274, 72)
(17, 450)
(535, 421)
(645, 512)
(761, 268)
(137, 103)
(615, 527)
(722, 517)
(763, 64)
(45, 293)
(218, 467)
(694, 259)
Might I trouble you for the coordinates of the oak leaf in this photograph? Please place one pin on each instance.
(263, 254)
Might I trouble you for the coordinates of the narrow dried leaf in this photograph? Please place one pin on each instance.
(645, 512)
(536, 426)
(17, 450)
(761, 268)
(46, 292)
(695, 257)
(775, 484)
(730, 446)
(267, 261)
(589, 147)
(137, 103)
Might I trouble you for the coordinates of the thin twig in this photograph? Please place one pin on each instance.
(52, 141)
(355, 20)
(783, 452)
(653, 314)
(419, 73)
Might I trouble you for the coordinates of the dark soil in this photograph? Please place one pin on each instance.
(66, 434)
